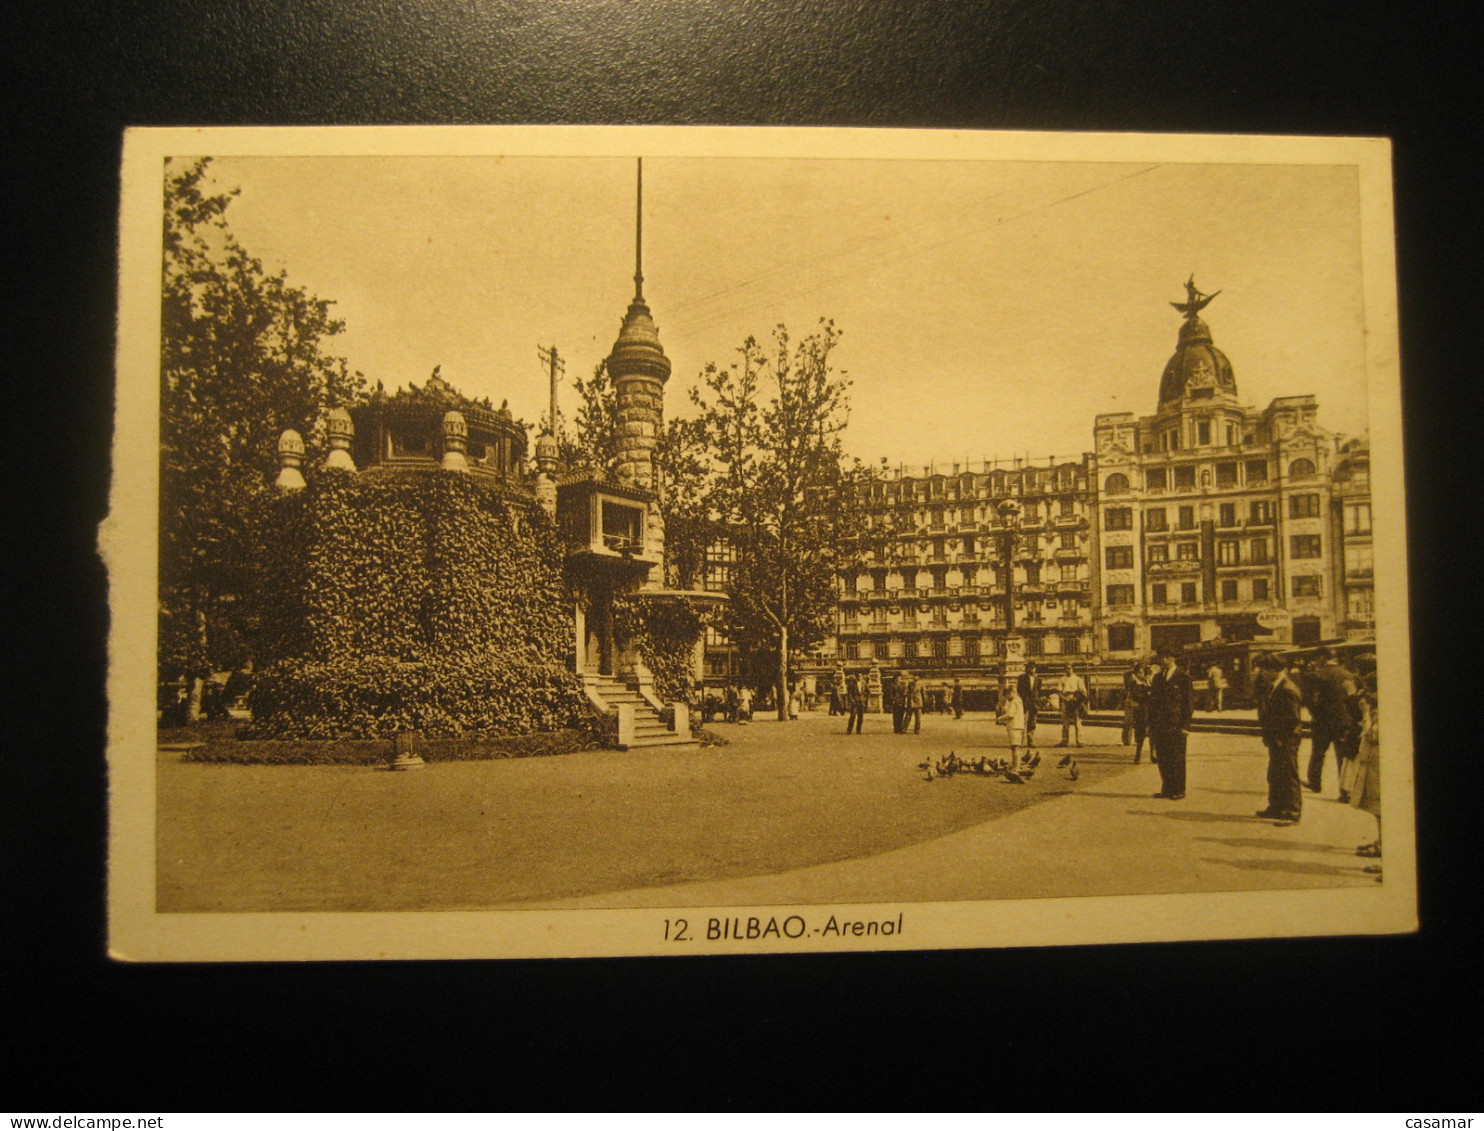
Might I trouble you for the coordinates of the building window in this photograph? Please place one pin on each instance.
(1228, 590)
(909, 649)
(1227, 516)
(1358, 560)
(1116, 484)
(1119, 557)
(1187, 592)
(850, 584)
(1187, 518)
(1259, 588)
(622, 526)
(1357, 518)
(1120, 638)
(1203, 432)
(1155, 479)
(1120, 594)
(1187, 551)
(1303, 546)
(1231, 435)
(1260, 513)
(1118, 518)
(1306, 630)
(1033, 646)
(1069, 540)
(1068, 571)
(940, 648)
(1228, 552)
(1306, 585)
(1358, 604)
(1303, 506)
(1301, 469)
(1257, 471)
(1159, 552)
(1159, 594)
(1185, 478)
(852, 650)
(1033, 573)
(1070, 645)
(852, 617)
(1226, 475)
(1154, 519)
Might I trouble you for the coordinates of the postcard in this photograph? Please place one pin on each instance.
(596, 541)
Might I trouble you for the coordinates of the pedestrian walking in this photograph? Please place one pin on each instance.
(731, 701)
(1279, 712)
(744, 704)
(1136, 706)
(1333, 721)
(1028, 687)
(1012, 717)
(1216, 681)
(838, 690)
(1169, 723)
(1365, 790)
(856, 698)
(913, 713)
(1072, 689)
(956, 699)
(891, 696)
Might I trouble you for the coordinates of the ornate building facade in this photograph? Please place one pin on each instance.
(1207, 520)
(963, 570)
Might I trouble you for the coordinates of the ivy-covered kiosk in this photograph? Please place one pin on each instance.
(431, 580)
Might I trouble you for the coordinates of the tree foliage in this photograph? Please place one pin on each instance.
(242, 357)
(767, 434)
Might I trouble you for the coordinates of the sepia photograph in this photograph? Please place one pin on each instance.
(560, 541)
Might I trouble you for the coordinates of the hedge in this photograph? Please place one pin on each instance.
(379, 751)
(379, 696)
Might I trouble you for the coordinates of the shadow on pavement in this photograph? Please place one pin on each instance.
(1115, 796)
(1235, 792)
(1280, 845)
(1298, 866)
(1187, 815)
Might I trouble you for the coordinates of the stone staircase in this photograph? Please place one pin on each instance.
(639, 723)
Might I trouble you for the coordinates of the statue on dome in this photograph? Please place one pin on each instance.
(1195, 301)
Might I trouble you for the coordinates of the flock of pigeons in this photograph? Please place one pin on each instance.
(1013, 771)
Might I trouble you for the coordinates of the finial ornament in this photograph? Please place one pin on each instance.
(1195, 301)
(639, 235)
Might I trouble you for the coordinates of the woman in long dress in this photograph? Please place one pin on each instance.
(1365, 790)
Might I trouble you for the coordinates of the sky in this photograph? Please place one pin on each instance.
(988, 308)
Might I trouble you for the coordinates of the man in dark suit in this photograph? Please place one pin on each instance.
(1279, 706)
(1335, 720)
(1169, 720)
(1028, 687)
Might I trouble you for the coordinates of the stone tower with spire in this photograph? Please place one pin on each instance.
(639, 369)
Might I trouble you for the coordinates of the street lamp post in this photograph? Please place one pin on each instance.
(1010, 513)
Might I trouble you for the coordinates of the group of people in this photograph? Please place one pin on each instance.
(1343, 716)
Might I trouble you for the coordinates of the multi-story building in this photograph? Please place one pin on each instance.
(1218, 520)
(959, 570)
(1207, 520)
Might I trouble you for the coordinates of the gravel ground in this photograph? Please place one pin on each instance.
(781, 796)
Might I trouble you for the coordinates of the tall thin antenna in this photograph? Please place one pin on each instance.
(555, 364)
(639, 235)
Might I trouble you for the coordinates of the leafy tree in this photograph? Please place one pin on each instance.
(768, 432)
(242, 358)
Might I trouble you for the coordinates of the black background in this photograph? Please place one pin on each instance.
(1336, 1024)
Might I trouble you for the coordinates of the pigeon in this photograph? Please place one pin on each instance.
(1073, 771)
(1013, 778)
(1036, 761)
(1065, 761)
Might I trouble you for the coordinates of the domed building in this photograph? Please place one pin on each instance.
(1216, 519)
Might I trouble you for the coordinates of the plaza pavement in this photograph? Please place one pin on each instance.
(793, 812)
(1107, 837)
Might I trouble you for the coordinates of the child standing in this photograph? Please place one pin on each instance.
(1012, 717)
